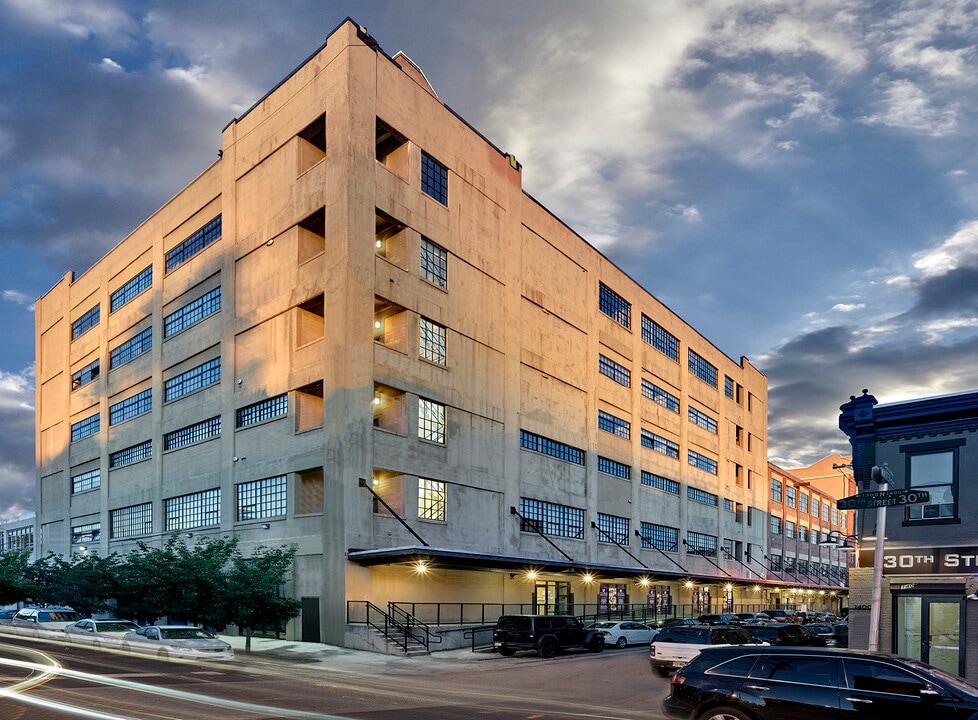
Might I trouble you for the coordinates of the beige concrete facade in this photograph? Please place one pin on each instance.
(448, 356)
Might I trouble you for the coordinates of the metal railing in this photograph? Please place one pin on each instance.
(402, 632)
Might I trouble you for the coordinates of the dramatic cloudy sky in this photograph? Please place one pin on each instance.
(798, 180)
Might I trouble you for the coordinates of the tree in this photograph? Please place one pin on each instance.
(255, 582)
(15, 582)
(84, 582)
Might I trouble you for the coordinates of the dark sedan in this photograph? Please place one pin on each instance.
(784, 634)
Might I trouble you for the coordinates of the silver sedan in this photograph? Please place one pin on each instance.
(625, 632)
(177, 641)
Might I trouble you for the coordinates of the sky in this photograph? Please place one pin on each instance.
(798, 180)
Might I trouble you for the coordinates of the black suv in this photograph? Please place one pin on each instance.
(546, 634)
(757, 682)
(785, 634)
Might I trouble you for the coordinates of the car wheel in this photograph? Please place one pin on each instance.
(724, 713)
(596, 644)
(663, 670)
(507, 652)
(622, 642)
(548, 648)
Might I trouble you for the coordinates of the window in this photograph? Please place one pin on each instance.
(702, 419)
(701, 496)
(551, 519)
(802, 534)
(933, 467)
(660, 338)
(776, 563)
(131, 348)
(656, 394)
(261, 499)
(660, 444)
(615, 425)
(660, 537)
(431, 499)
(434, 178)
(21, 538)
(131, 521)
(553, 448)
(211, 232)
(790, 495)
(612, 467)
(775, 525)
(619, 373)
(802, 670)
(702, 369)
(85, 323)
(192, 313)
(728, 386)
(89, 533)
(131, 407)
(84, 428)
(86, 481)
(130, 455)
(660, 483)
(815, 507)
(434, 263)
(776, 490)
(728, 504)
(789, 529)
(701, 461)
(192, 511)
(431, 421)
(802, 565)
(700, 544)
(131, 289)
(835, 516)
(803, 503)
(260, 411)
(728, 549)
(825, 511)
(613, 529)
(432, 342)
(84, 376)
(194, 379)
(868, 676)
(614, 305)
(198, 432)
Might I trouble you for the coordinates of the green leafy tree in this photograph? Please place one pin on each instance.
(16, 584)
(84, 582)
(255, 582)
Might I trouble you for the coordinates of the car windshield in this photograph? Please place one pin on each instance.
(603, 624)
(185, 634)
(52, 616)
(116, 626)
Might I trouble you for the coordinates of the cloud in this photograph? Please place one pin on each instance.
(905, 105)
(18, 298)
(16, 443)
(848, 307)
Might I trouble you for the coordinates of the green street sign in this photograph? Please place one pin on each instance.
(885, 498)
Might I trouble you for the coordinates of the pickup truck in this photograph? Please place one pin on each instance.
(674, 647)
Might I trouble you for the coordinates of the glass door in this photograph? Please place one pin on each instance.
(928, 628)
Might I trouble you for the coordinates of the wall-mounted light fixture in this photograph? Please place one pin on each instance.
(264, 526)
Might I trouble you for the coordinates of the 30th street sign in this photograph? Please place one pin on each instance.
(885, 498)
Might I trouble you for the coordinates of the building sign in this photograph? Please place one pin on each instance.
(924, 561)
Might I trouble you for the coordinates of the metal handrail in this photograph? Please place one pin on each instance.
(407, 621)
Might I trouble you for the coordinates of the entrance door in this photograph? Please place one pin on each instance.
(928, 628)
(553, 598)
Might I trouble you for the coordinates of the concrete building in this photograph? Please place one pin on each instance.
(929, 564)
(17, 534)
(357, 333)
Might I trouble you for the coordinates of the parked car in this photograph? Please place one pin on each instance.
(840, 635)
(752, 617)
(177, 641)
(721, 619)
(546, 635)
(97, 633)
(677, 622)
(778, 615)
(35, 620)
(674, 647)
(6, 616)
(762, 683)
(823, 630)
(785, 634)
(624, 633)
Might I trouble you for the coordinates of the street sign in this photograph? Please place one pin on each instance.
(885, 498)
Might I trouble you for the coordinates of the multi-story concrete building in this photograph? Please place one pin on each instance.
(357, 333)
(17, 534)
(925, 603)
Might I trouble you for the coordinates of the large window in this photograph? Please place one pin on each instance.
(431, 499)
(131, 521)
(261, 499)
(194, 379)
(131, 289)
(660, 483)
(431, 421)
(775, 525)
(660, 444)
(656, 394)
(613, 467)
(192, 511)
(701, 461)
(660, 338)
(700, 418)
(790, 495)
(614, 305)
(553, 448)
(699, 367)
(551, 519)
(933, 468)
(192, 313)
(130, 455)
(86, 375)
(131, 407)
(255, 413)
(434, 178)
(211, 232)
(702, 496)
(88, 533)
(614, 529)
(614, 425)
(803, 503)
(776, 491)
(619, 373)
(198, 432)
(701, 544)
(432, 342)
(660, 537)
(131, 349)
(85, 323)
(84, 428)
(86, 481)
(434, 263)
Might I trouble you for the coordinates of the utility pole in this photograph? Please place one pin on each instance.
(883, 476)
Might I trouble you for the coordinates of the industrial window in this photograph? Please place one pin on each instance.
(803, 503)
(775, 562)
(431, 421)
(660, 483)
(728, 504)
(614, 305)
(551, 519)
(802, 534)
(84, 428)
(131, 348)
(432, 342)
(835, 516)
(790, 495)
(553, 448)
(699, 367)
(192, 313)
(619, 373)
(701, 461)
(86, 481)
(131, 289)
(660, 537)
(614, 425)
(85, 323)
(86, 375)
(612, 467)
(656, 394)
(775, 525)
(198, 432)
(825, 511)
(130, 455)
(701, 496)
(192, 511)
(660, 338)
(431, 499)
(613, 526)
(789, 529)
(20, 539)
(131, 407)
(815, 507)
(702, 419)
(434, 263)
(261, 498)
(194, 379)
(660, 444)
(260, 411)
(701, 544)
(208, 234)
(88, 533)
(776, 491)
(728, 386)
(434, 178)
(131, 521)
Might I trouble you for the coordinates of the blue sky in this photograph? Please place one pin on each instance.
(798, 180)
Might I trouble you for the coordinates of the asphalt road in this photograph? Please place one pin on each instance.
(48, 681)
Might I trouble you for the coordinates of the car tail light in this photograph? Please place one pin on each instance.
(678, 679)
